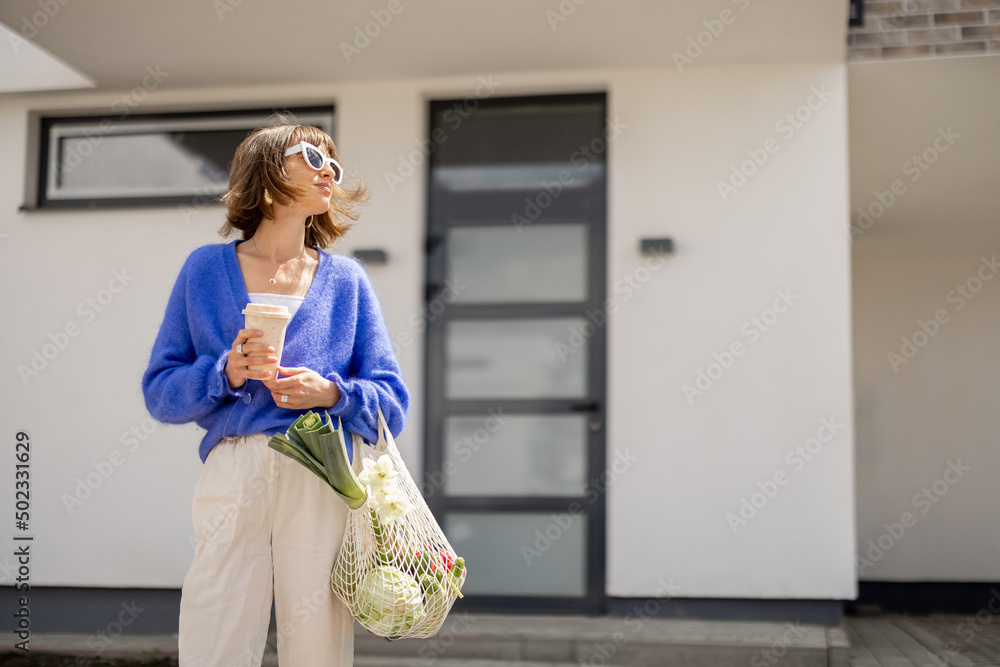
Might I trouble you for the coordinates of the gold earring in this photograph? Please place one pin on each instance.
(309, 223)
(267, 197)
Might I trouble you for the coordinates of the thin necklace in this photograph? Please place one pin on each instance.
(274, 276)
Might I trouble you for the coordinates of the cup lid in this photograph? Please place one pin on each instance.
(266, 309)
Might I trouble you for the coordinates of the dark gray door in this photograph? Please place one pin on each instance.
(516, 346)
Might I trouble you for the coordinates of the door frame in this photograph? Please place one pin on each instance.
(438, 406)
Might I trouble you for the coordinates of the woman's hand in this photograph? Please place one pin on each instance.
(237, 371)
(302, 389)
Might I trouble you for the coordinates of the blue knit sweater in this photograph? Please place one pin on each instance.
(338, 331)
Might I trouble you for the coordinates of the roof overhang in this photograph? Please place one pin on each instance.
(250, 42)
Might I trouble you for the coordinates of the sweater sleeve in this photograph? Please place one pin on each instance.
(375, 379)
(179, 385)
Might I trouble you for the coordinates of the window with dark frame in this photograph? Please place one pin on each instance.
(162, 159)
(856, 13)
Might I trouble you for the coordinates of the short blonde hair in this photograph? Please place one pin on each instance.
(259, 163)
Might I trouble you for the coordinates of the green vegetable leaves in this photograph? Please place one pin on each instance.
(389, 602)
(323, 451)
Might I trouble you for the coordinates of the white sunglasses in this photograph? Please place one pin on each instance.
(315, 159)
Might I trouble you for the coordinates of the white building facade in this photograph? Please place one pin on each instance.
(711, 389)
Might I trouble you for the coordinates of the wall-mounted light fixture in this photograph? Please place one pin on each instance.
(656, 246)
(371, 257)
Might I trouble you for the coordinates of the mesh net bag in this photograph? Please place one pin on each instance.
(396, 571)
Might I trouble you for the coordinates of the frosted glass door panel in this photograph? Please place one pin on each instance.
(515, 377)
(516, 358)
(521, 554)
(522, 264)
(516, 455)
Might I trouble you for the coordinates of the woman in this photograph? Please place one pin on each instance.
(264, 526)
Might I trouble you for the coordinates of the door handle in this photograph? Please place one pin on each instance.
(432, 242)
(594, 423)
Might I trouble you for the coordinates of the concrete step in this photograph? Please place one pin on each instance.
(125, 646)
(487, 640)
(574, 640)
(368, 661)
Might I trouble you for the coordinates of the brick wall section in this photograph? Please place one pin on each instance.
(925, 29)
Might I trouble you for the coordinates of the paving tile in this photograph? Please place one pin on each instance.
(884, 651)
(837, 647)
(553, 650)
(899, 641)
(977, 638)
(860, 654)
(905, 643)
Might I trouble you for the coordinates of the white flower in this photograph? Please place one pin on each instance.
(393, 506)
(378, 475)
(376, 497)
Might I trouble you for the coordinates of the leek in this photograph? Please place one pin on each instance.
(321, 448)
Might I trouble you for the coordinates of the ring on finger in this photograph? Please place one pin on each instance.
(284, 398)
(239, 349)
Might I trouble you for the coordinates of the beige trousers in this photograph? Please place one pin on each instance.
(264, 527)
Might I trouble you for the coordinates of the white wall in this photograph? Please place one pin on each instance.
(916, 247)
(667, 514)
(932, 404)
(782, 230)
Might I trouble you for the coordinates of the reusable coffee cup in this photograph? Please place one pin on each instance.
(272, 320)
